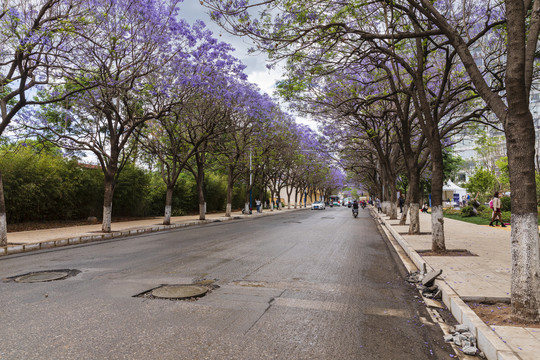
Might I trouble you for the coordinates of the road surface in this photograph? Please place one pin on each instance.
(305, 285)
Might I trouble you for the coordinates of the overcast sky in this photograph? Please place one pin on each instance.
(256, 70)
(192, 10)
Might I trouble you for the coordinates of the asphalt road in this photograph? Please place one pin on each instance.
(306, 285)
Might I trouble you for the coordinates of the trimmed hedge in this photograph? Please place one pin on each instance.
(45, 186)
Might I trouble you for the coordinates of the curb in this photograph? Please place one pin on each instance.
(488, 341)
(49, 244)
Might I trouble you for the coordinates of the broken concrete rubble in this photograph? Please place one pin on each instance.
(415, 277)
(429, 278)
(432, 292)
(462, 337)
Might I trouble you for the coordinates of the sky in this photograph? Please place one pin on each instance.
(192, 10)
(256, 70)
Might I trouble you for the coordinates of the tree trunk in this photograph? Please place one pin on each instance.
(107, 203)
(228, 210)
(406, 205)
(200, 191)
(247, 208)
(288, 200)
(520, 141)
(168, 206)
(437, 220)
(414, 224)
(393, 202)
(414, 198)
(3, 221)
(403, 219)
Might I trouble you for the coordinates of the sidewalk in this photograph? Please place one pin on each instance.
(485, 277)
(24, 241)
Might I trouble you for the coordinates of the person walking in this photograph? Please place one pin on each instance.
(378, 202)
(401, 202)
(258, 204)
(496, 216)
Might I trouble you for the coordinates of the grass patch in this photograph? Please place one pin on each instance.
(478, 220)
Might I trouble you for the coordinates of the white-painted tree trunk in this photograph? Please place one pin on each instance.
(525, 287)
(393, 211)
(202, 211)
(246, 208)
(107, 218)
(3, 218)
(3, 230)
(386, 207)
(228, 210)
(437, 228)
(403, 219)
(414, 224)
(167, 217)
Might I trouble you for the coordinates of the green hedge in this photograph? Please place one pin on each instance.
(45, 186)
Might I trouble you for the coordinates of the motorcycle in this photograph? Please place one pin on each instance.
(355, 212)
(363, 205)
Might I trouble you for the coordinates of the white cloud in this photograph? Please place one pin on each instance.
(265, 79)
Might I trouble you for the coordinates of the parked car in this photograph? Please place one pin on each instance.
(318, 205)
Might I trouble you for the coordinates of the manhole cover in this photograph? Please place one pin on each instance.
(179, 291)
(42, 277)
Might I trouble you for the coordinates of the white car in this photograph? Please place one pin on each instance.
(318, 205)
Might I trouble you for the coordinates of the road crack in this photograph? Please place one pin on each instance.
(270, 302)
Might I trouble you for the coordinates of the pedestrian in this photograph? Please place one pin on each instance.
(496, 216)
(401, 202)
(258, 204)
(378, 202)
(425, 208)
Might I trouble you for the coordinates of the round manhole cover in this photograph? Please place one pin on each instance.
(179, 292)
(42, 277)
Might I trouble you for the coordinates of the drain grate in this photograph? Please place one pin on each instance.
(43, 276)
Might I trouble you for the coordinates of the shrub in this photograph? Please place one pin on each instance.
(483, 208)
(451, 211)
(506, 216)
(506, 203)
(467, 211)
(130, 193)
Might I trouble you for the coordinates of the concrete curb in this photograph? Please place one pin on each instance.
(49, 244)
(488, 341)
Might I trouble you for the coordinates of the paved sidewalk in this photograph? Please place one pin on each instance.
(473, 278)
(23, 241)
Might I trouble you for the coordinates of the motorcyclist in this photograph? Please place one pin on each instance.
(355, 205)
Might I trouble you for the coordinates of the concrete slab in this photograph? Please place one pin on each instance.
(524, 341)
